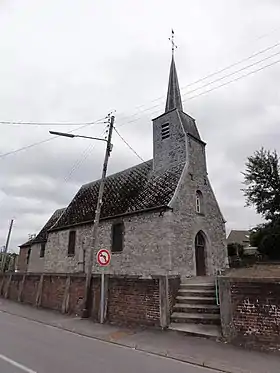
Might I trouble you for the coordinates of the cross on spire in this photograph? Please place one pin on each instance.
(172, 42)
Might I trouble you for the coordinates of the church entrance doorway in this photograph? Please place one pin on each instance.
(200, 254)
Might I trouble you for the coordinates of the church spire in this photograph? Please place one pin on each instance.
(173, 94)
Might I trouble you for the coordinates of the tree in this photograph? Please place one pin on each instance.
(262, 181)
(266, 237)
(10, 261)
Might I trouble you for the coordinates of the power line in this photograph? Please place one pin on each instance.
(209, 76)
(46, 123)
(222, 85)
(128, 145)
(233, 73)
(159, 98)
(45, 141)
(83, 157)
(234, 80)
(202, 93)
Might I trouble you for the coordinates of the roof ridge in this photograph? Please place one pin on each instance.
(118, 173)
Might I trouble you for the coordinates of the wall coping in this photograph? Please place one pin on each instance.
(250, 279)
(83, 275)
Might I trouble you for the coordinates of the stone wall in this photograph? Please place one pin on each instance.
(170, 151)
(250, 311)
(130, 300)
(36, 263)
(186, 222)
(146, 247)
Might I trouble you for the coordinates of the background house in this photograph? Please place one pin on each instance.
(239, 236)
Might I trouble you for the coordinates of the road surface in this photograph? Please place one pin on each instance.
(31, 347)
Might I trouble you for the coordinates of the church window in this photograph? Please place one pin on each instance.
(28, 256)
(71, 243)
(165, 131)
(117, 237)
(199, 202)
(42, 249)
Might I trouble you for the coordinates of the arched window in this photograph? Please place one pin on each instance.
(198, 202)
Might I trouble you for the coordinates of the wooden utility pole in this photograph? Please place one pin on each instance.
(4, 254)
(87, 295)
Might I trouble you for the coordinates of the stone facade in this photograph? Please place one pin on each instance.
(36, 262)
(172, 150)
(187, 222)
(146, 246)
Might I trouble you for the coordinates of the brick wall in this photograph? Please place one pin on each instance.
(15, 287)
(130, 300)
(134, 301)
(30, 289)
(53, 291)
(250, 312)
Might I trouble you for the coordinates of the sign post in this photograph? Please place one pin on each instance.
(103, 259)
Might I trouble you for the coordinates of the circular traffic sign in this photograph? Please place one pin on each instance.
(103, 257)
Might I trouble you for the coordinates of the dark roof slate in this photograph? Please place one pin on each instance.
(135, 189)
(189, 124)
(173, 99)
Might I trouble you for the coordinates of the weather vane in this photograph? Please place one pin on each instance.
(172, 42)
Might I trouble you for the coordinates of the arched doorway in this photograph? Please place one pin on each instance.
(200, 254)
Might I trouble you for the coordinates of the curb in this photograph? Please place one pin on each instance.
(119, 344)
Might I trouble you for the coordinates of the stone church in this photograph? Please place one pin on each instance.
(159, 217)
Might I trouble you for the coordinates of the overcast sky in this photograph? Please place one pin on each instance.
(75, 61)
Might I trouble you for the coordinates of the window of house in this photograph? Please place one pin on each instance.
(28, 256)
(42, 250)
(199, 202)
(165, 131)
(71, 243)
(117, 237)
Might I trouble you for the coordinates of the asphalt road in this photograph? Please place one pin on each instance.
(27, 346)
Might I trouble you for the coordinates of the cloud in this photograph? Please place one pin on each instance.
(75, 62)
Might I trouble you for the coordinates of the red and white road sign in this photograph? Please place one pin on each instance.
(103, 257)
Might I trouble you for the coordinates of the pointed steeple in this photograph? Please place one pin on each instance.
(173, 94)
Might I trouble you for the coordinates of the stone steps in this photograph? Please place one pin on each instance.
(196, 292)
(196, 311)
(197, 308)
(197, 330)
(196, 318)
(195, 300)
(206, 286)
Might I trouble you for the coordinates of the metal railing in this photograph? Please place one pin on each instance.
(218, 272)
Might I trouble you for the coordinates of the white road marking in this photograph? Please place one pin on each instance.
(15, 364)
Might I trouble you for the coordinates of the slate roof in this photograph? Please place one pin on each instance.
(173, 100)
(239, 236)
(189, 124)
(135, 189)
(42, 235)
